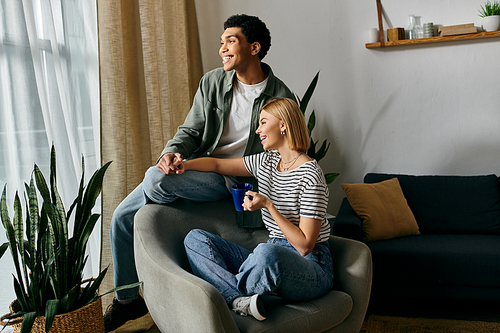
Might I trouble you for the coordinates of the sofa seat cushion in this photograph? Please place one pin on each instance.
(437, 260)
(300, 316)
(451, 204)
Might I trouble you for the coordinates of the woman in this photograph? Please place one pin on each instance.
(296, 262)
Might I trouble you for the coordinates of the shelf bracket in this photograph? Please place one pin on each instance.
(380, 24)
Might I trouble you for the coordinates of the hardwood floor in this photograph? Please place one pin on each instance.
(153, 329)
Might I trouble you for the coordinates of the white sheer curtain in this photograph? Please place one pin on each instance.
(49, 93)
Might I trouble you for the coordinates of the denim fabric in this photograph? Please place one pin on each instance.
(272, 267)
(157, 188)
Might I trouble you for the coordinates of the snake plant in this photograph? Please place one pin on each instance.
(48, 258)
(311, 123)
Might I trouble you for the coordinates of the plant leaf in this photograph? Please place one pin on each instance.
(43, 189)
(308, 93)
(69, 300)
(27, 244)
(88, 295)
(92, 192)
(299, 102)
(11, 237)
(53, 231)
(311, 123)
(322, 150)
(21, 296)
(60, 222)
(13, 316)
(78, 199)
(19, 234)
(312, 149)
(53, 171)
(85, 234)
(330, 177)
(3, 248)
(52, 261)
(132, 285)
(42, 231)
(51, 311)
(28, 320)
(34, 221)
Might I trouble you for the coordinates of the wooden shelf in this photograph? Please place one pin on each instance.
(408, 42)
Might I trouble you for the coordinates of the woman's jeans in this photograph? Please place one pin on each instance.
(155, 188)
(272, 267)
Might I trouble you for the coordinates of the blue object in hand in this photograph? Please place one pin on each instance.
(239, 191)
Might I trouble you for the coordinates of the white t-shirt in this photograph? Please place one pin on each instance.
(234, 139)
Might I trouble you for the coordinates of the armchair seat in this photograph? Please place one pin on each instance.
(179, 301)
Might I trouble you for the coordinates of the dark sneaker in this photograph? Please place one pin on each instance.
(118, 314)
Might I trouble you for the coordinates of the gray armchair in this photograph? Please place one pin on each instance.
(178, 301)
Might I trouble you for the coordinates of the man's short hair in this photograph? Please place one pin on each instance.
(253, 29)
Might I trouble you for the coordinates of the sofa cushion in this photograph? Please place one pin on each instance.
(383, 209)
(437, 260)
(451, 204)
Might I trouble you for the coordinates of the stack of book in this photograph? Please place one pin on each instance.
(461, 29)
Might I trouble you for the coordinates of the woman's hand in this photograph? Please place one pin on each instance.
(302, 237)
(257, 201)
(179, 168)
(170, 163)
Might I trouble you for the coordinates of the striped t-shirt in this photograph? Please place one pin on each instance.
(295, 193)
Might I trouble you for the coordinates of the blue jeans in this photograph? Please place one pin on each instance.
(157, 188)
(272, 267)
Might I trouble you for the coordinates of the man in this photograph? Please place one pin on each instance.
(221, 123)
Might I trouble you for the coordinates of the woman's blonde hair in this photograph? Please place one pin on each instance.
(287, 110)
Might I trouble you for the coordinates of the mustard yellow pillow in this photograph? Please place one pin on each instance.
(383, 209)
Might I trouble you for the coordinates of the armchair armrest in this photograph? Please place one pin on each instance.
(347, 223)
(170, 290)
(353, 269)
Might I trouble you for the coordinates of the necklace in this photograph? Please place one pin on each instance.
(292, 162)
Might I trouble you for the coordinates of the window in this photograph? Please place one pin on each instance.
(49, 93)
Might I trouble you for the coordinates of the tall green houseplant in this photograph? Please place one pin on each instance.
(48, 262)
(314, 152)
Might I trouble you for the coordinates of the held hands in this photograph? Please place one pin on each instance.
(254, 201)
(171, 163)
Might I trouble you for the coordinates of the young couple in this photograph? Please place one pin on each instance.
(296, 262)
(223, 123)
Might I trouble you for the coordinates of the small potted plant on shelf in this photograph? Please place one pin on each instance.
(49, 258)
(490, 14)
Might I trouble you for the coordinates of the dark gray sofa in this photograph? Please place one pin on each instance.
(457, 254)
(181, 302)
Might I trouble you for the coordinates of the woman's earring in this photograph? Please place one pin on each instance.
(282, 132)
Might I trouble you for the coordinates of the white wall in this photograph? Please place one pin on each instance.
(431, 109)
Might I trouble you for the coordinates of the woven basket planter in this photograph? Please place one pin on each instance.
(86, 319)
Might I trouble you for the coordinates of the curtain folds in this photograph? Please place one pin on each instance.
(150, 66)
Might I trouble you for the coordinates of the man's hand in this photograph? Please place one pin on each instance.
(170, 163)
